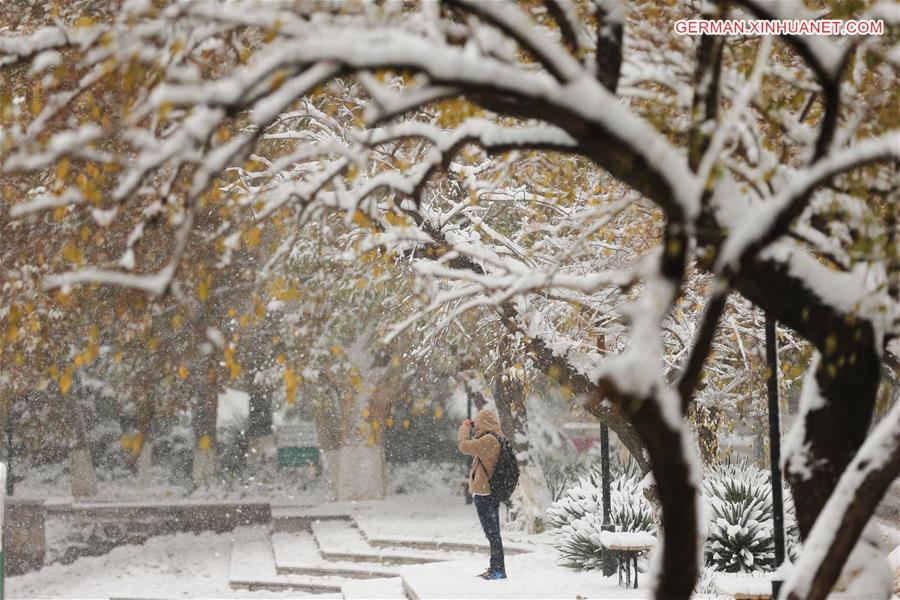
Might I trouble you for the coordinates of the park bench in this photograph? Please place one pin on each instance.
(627, 547)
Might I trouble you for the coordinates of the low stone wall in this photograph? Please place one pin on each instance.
(44, 533)
(24, 543)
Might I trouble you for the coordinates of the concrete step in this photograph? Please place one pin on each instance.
(443, 544)
(342, 541)
(291, 519)
(298, 553)
(253, 568)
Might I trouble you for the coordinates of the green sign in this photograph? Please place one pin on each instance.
(293, 456)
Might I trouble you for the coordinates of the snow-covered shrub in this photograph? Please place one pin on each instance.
(577, 517)
(740, 532)
(560, 472)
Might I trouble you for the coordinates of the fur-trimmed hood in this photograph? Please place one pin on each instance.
(486, 421)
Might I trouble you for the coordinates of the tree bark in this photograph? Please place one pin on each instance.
(673, 485)
(83, 476)
(205, 416)
(509, 396)
(860, 489)
(847, 376)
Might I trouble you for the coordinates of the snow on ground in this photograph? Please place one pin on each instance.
(197, 566)
(183, 565)
(532, 575)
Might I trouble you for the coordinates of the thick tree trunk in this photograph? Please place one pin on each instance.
(509, 395)
(205, 415)
(261, 437)
(833, 432)
(707, 420)
(847, 512)
(81, 471)
(83, 476)
(674, 476)
(847, 376)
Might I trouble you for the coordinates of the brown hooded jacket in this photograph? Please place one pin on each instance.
(484, 448)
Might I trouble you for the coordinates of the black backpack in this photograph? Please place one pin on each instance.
(506, 472)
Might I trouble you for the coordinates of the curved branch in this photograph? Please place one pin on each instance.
(510, 19)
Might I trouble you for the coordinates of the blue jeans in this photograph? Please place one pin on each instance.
(489, 514)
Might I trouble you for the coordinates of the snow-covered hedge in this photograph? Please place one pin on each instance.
(577, 517)
(740, 536)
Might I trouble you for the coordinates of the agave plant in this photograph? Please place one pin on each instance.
(578, 516)
(740, 536)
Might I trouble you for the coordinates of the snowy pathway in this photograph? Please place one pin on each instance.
(405, 548)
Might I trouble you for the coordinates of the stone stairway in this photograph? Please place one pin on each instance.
(320, 552)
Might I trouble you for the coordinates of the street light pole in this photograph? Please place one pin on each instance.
(609, 565)
(775, 447)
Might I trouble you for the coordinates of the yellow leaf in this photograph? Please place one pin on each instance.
(405, 423)
(183, 372)
(62, 169)
(154, 344)
(71, 253)
(251, 237)
(204, 443)
(438, 412)
(36, 102)
(361, 219)
(117, 357)
(65, 382)
(203, 291)
(176, 321)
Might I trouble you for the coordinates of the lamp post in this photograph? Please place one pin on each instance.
(10, 482)
(775, 447)
(609, 562)
(465, 487)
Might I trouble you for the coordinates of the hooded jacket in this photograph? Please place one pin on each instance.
(484, 448)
